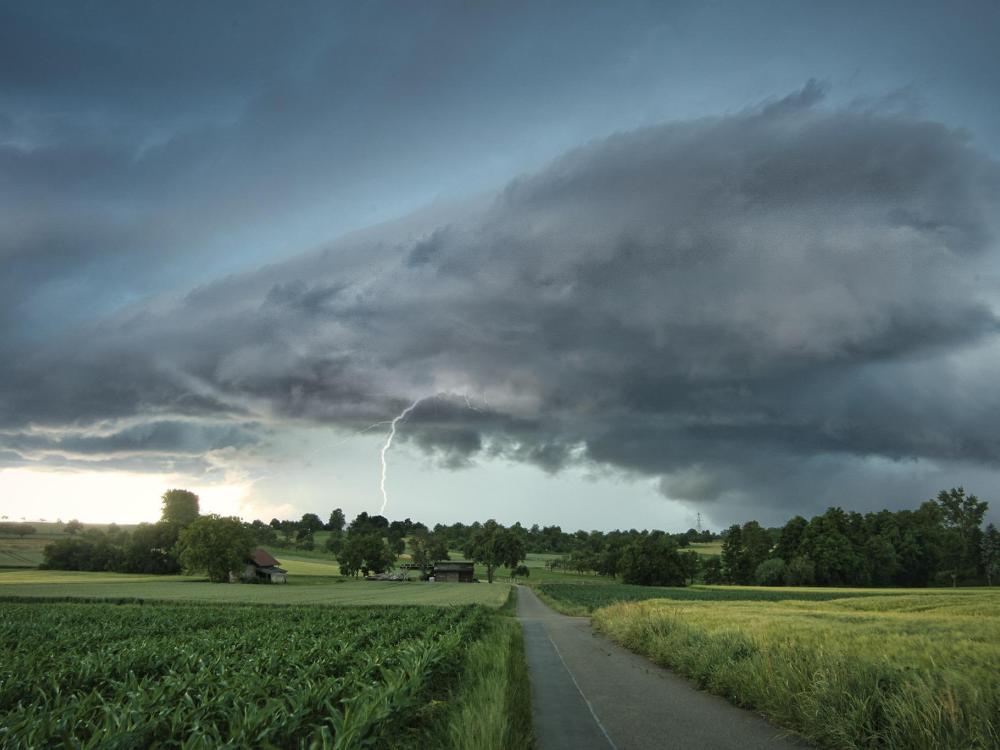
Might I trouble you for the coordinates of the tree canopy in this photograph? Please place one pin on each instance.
(179, 507)
(652, 560)
(493, 546)
(215, 545)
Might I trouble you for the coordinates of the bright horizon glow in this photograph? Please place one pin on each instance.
(106, 497)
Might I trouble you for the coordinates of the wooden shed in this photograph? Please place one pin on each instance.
(454, 572)
(263, 567)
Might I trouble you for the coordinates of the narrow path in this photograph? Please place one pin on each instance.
(590, 694)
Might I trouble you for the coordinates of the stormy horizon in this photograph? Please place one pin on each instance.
(588, 267)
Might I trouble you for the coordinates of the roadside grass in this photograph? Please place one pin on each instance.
(302, 588)
(491, 707)
(914, 670)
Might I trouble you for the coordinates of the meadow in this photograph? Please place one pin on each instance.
(27, 552)
(302, 588)
(898, 670)
(583, 599)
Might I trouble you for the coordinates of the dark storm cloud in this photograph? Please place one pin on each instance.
(747, 307)
(145, 146)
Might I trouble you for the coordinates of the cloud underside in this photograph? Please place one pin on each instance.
(742, 307)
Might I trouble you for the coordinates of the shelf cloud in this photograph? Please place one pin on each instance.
(746, 308)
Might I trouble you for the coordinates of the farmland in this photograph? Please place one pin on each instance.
(303, 588)
(26, 552)
(582, 599)
(212, 676)
(914, 670)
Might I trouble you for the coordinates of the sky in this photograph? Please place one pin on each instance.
(631, 264)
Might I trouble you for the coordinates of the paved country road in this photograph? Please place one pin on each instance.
(590, 694)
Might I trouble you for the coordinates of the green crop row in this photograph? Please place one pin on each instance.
(131, 676)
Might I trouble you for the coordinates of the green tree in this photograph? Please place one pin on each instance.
(827, 542)
(521, 571)
(743, 549)
(800, 571)
(609, 560)
(311, 522)
(962, 516)
(364, 552)
(652, 560)
(179, 507)
(397, 544)
(335, 543)
(691, 565)
(73, 527)
(151, 548)
(363, 522)
(990, 550)
(771, 572)
(493, 546)
(790, 538)
(216, 545)
(337, 521)
(305, 539)
(18, 529)
(263, 534)
(711, 571)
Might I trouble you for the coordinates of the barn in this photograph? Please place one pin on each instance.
(263, 568)
(454, 572)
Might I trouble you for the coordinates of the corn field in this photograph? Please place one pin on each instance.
(208, 676)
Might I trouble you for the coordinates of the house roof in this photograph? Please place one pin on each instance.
(453, 566)
(263, 558)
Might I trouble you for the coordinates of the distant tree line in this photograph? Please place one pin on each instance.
(182, 540)
(942, 542)
(20, 530)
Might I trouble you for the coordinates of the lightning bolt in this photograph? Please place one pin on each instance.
(392, 434)
(388, 444)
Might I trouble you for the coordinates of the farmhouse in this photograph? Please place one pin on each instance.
(261, 566)
(454, 572)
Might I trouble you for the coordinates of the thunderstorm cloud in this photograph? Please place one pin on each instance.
(778, 308)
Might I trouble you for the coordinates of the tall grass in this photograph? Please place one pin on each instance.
(919, 671)
(582, 599)
(490, 709)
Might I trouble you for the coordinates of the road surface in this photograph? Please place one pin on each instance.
(590, 694)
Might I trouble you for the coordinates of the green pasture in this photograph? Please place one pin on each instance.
(709, 549)
(26, 552)
(310, 585)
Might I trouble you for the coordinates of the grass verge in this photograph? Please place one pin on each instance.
(491, 708)
(916, 671)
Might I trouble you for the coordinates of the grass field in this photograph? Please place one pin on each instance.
(308, 586)
(705, 548)
(582, 599)
(169, 675)
(21, 553)
(26, 552)
(898, 670)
